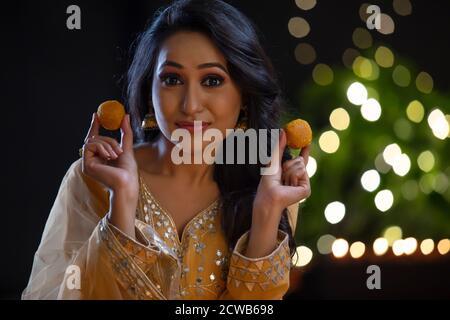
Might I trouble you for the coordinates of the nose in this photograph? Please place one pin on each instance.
(192, 103)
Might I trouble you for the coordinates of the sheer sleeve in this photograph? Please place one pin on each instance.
(73, 217)
(265, 278)
(83, 256)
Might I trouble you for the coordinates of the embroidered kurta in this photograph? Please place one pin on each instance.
(83, 256)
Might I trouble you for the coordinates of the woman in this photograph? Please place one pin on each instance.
(129, 223)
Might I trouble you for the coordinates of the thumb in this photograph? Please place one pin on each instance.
(126, 134)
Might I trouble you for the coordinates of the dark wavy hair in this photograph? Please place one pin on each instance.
(236, 37)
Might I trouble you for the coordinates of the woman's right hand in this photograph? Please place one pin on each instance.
(114, 165)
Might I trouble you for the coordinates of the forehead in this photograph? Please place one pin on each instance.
(189, 49)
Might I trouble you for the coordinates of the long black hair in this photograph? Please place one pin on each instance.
(236, 37)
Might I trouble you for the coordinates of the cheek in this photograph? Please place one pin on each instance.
(226, 110)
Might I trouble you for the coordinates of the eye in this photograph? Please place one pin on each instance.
(213, 81)
(170, 79)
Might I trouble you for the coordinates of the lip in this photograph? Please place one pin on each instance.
(189, 125)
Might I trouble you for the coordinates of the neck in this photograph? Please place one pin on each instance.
(190, 173)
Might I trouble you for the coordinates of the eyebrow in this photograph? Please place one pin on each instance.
(200, 66)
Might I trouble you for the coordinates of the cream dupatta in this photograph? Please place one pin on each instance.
(79, 241)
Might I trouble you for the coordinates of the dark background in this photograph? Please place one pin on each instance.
(54, 78)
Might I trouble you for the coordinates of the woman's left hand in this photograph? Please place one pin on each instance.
(289, 185)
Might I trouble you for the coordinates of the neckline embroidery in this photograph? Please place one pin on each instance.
(179, 240)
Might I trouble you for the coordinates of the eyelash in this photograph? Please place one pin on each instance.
(164, 77)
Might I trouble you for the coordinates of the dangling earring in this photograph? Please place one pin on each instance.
(149, 122)
(243, 121)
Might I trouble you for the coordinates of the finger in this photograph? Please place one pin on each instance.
(94, 127)
(112, 142)
(105, 145)
(294, 174)
(96, 149)
(300, 192)
(288, 164)
(108, 148)
(305, 153)
(126, 134)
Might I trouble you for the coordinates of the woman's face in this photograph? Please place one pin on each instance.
(191, 83)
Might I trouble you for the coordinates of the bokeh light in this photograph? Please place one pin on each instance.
(425, 161)
(329, 141)
(365, 68)
(298, 27)
(384, 200)
(303, 257)
(334, 212)
(391, 152)
(392, 233)
(409, 245)
(339, 248)
(306, 4)
(380, 246)
(357, 249)
(415, 111)
(402, 7)
(398, 247)
(401, 164)
(371, 110)
(339, 119)
(325, 243)
(305, 53)
(401, 76)
(311, 167)
(370, 180)
(362, 38)
(438, 124)
(384, 57)
(427, 246)
(387, 24)
(322, 74)
(424, 82)
(357, 93)
(443, 246)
